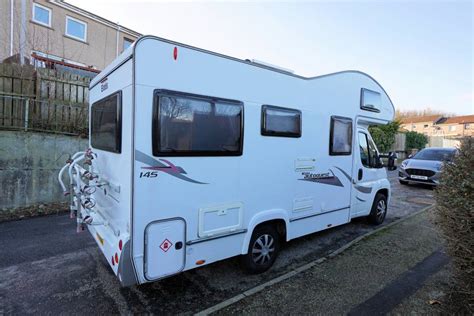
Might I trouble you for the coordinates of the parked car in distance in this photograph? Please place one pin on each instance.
(425, 166)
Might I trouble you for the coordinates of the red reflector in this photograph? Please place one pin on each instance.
(175, 53)
(116, 258)
(120, 245)
(113, 262)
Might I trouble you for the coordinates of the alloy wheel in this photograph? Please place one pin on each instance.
(263, 249)
(381, 210)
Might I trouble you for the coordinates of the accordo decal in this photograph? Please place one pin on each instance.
(324, 178)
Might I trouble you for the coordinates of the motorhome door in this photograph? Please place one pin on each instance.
(366, 173)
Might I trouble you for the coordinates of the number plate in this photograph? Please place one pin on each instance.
(419, 177)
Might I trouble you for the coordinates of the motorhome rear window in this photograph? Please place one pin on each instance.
(192, 125)
(106, 123)
(278, 121)
(340, 142)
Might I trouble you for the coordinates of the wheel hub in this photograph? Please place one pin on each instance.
(381, 209)
(263, 249)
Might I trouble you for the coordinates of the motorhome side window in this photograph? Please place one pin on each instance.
(278, 121)
(185, 125)
(340, 142)
(106, 123)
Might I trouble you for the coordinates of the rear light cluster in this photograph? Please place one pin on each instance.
(115, 258)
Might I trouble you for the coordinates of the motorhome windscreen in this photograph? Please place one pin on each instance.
(106, 124)
(188, 125)
(278, 121)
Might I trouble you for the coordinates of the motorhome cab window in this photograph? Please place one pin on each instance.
(278, 121)
(364, 150)
(340, 142)
(375, 160)
(106, 123)
(368, 152)
(189, 125)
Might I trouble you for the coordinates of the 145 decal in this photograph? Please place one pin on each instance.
(148, 174)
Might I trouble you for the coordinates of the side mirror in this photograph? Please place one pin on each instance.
(410, 156)
(392, 157)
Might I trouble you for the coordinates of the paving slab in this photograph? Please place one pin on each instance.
(376, 274)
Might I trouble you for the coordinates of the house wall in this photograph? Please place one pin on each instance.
(420, 127)
(99, 49)
(455, 129)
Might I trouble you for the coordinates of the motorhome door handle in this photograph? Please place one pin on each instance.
(178, 245)
(360, 174)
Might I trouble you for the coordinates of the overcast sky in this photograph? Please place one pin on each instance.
(420, 51)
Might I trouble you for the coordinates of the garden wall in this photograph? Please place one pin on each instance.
(29, 166)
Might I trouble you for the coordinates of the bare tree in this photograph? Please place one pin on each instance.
(400, 114)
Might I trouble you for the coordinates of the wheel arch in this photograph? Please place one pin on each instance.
(277, 217)
(385, 191)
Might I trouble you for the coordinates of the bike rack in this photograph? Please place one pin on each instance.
(83, 182)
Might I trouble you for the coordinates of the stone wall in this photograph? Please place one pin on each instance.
(29, 166)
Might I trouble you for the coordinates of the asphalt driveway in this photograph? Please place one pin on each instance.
(46, 268)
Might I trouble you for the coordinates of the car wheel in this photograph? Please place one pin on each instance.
(263, 250)
(379, 209)
(403, 182)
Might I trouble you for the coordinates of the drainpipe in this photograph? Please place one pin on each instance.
(11, 26)
(23, 32)
(117, 47)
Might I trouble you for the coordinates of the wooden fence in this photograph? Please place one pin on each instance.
(43, 99)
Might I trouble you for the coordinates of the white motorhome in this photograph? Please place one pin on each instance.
(196, 157)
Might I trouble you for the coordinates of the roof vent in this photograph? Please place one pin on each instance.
(255, 61)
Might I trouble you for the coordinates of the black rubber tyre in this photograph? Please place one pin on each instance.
(379, 209)
(263, 250)
(403, 182)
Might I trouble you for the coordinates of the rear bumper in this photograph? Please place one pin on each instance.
(404, 176)
(119, 260)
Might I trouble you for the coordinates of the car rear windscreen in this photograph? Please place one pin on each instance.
(106, 123)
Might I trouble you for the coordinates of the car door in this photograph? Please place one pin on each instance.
(366, 173)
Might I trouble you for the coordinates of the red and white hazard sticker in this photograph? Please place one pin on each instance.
(166, 245)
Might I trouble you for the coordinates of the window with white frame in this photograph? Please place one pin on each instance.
(76, 29)
(41, 15)
(127, 43)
